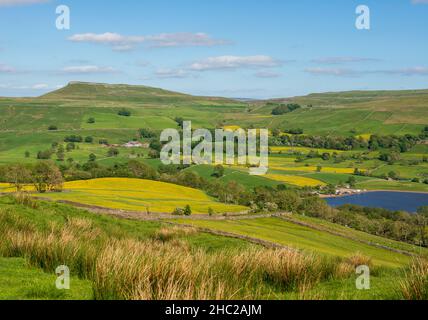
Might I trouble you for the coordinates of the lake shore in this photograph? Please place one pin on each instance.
(327, 196)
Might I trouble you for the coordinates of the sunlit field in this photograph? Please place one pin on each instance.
(140, 195)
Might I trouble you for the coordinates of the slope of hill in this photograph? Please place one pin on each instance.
(352, 113)
(125, 93)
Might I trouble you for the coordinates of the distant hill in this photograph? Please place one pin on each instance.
(122, 92)
(350, 97)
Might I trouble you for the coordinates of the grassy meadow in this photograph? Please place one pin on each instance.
(111, 258)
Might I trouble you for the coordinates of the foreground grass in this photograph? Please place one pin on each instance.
(160, 264)
(124, 259)
(19, 281)
(301, 237)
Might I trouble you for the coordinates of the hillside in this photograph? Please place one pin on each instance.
(122, 92)
(25, 129)
(353, 112)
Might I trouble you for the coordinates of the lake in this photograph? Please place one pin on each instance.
(403, 201)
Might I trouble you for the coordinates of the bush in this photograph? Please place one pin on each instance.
(103, 142)
(89, 139)
(283, 109)
(113, 152)
(178, 212)
(187, 211)
(44, 155)
(52, 128)
(124, 113)
(73, 138)
(91, 120)
(147, 133)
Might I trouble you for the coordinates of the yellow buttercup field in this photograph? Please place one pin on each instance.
(315, 169)
(296, 180)
(140, 195)
(302, 150)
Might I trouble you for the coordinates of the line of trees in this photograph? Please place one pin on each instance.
(45, 176)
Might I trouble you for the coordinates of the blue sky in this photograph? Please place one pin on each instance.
(234, 48)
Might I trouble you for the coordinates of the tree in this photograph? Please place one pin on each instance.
(52, 128)
(92, 157)
(352, 181)
(91, 120)
(89, 139)
(103, 142)
(393, 175)
(218, 171)
(70, 146)
(180, 121)
(142, 170)
(325, 156)
(211, 212)
(288, 201)
(422, 223)
(147, 133)
(124, 112)
(73, 138)
(113, 152)
(60, 154)
(187, 211)
(18, 175)
(47, 177)
(27, 154)
(44, 155)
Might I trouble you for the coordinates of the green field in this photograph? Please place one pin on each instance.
(295, 236)
(95, 230)
(25, 121)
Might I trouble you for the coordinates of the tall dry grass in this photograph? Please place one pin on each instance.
(156, 269)
(415, 284)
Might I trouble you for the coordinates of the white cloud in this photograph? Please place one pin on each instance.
(412, 71)
(6, 69)
(172, 73)
(267, 74)
(10, 3)
(125, 43)
(339, 72)
(38, 86)
(88, 69)
(339, 60)
(234, 62)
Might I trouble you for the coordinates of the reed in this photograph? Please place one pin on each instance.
(415, 284)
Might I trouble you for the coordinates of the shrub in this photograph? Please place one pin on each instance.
(73, 138)
(52, 128)
(178, 212)
(124, 112)
(113, 152)
(187, 211)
